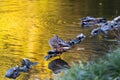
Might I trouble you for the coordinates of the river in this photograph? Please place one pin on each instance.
(27, 25)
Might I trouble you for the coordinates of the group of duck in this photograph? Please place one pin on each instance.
(59, 46)
(14, 72)
(104, 25)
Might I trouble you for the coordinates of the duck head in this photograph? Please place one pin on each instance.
(96, 31)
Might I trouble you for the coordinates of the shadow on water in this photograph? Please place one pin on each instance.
(27, 25)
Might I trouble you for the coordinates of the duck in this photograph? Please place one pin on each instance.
(91, 21)
(106, 27)
(59, 46)
(13, 73)
(52, 53)
(26, 64)
(116, 19)
(96, 31)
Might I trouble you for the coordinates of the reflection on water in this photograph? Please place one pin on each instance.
(26, 26)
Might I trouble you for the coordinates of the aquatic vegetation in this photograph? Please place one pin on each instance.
(105, 68)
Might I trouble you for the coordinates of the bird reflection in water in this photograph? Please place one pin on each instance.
(58, 65)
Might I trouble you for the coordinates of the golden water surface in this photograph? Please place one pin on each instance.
(26, 26)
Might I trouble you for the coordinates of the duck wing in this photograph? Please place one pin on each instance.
(57, 42)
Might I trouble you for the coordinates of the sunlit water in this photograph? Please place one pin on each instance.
(27, 25)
